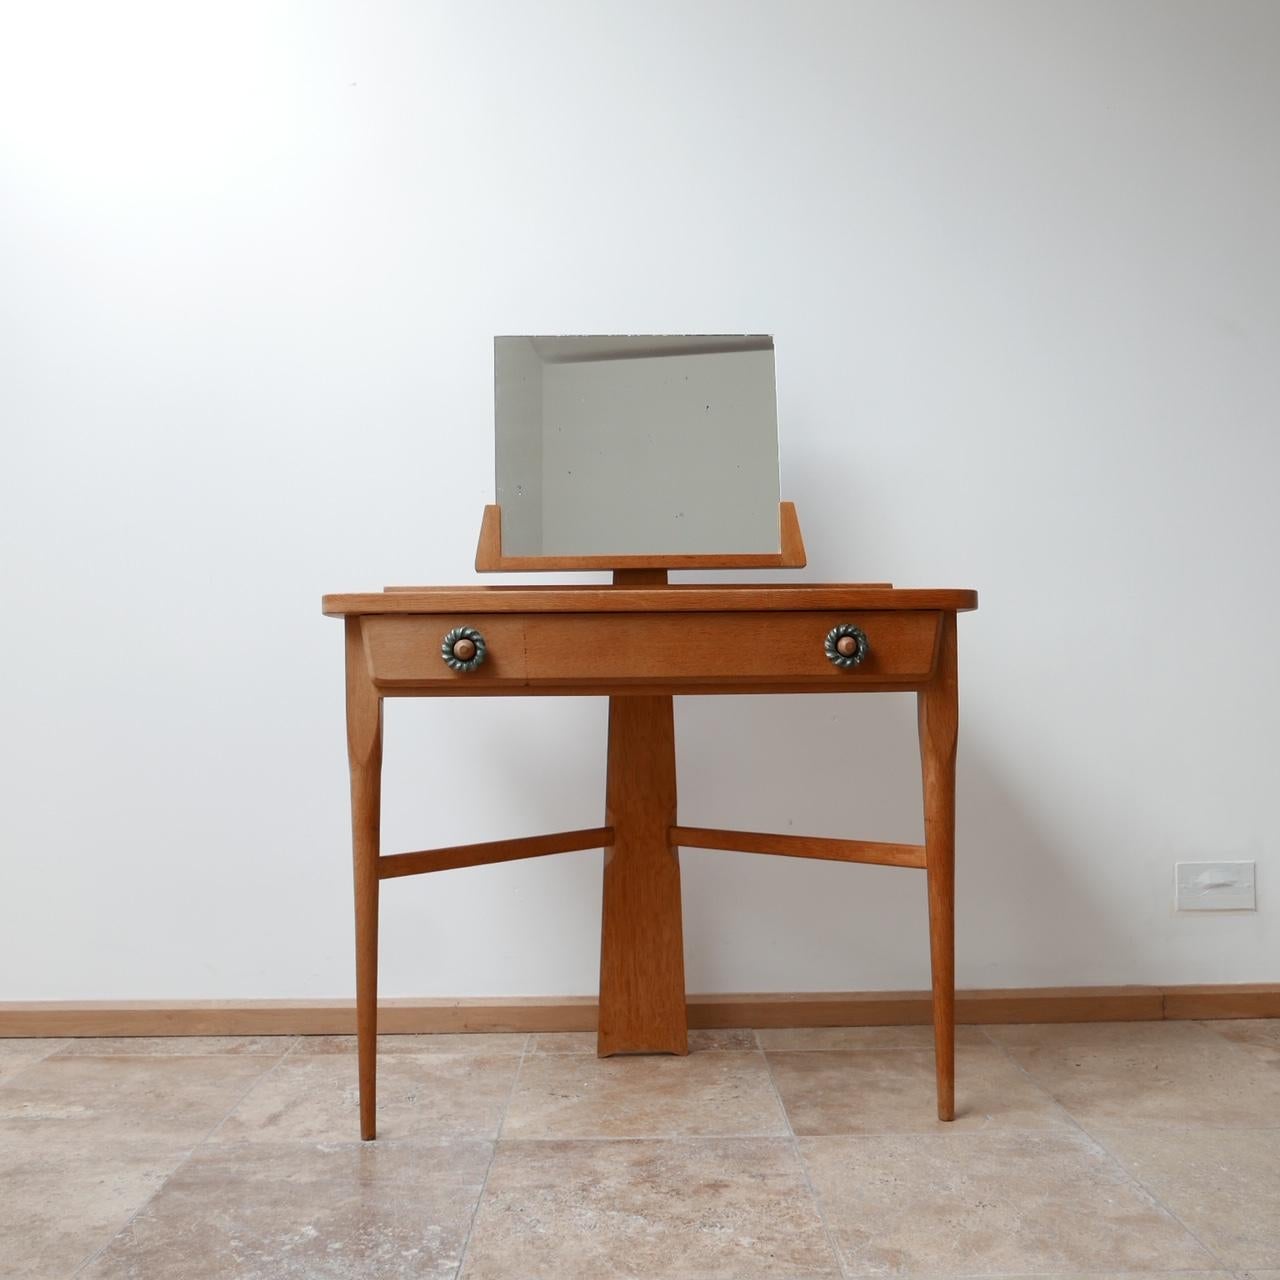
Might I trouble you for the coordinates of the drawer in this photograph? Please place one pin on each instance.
(404, 651)
(600, 649)
(725, 647)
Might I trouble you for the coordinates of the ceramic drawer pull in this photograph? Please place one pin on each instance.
(463, 649)
(846, 645)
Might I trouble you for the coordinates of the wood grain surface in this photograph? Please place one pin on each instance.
(606, 598)
(490, 557)
(641, 936)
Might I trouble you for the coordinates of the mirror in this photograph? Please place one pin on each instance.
(636, 445)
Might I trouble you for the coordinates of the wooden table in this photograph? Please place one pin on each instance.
(639, 645)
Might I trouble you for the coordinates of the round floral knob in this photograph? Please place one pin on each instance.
(846, 645)
(463, 649)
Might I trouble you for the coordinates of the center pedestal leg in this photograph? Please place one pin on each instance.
(642, 1006)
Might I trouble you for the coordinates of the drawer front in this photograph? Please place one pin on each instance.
(404, 651)
(724, 647)
(584, 650)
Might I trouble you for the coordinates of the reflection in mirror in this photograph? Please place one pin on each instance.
(636, 445)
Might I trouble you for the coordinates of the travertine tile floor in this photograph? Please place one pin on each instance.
(1132, 1149)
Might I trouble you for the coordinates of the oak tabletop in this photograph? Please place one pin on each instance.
(680, 597)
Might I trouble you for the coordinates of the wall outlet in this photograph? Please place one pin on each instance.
(1214, 886)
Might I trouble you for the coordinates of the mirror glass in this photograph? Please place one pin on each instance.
(636, 445)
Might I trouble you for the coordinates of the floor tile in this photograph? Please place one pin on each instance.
(840, 1091)
(799, 1038)
(62, 1197)
(165, 1099)
(94, 1131)
(1009, 1203)
(174, 1046)
(1116, 1275)
(577, 1096)
(484, 1044)
(717, 1209)
(18, 1054)
(314, 1098)
(1155, 1074)
(1097, 1034)
(699, 1041)
(1260, 1036)
(1223, 1183)
(353, 1211)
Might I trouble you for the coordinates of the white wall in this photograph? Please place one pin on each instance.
(1021, 265)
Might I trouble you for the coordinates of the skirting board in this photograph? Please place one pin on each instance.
(578, 1013)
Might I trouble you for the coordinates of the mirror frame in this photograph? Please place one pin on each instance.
(790, 555)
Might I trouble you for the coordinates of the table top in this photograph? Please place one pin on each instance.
(679, 597)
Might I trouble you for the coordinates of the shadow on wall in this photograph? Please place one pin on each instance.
(843, 766)
(848, 767)
(1029, 913)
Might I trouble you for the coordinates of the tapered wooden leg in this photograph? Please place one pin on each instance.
(642, 1005)
(938, 717)
(364, 753)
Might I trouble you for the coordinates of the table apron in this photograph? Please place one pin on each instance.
(687, 653)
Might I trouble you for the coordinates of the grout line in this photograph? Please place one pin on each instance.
(270, 1071)
(253, 1084)
(1060, 1275)
(603, 1138)
(27, 1066)
(63, 1055)
(60, 1047)
(951, 1134)
(1240, 1049)
(493, 1155)
(1212, 1254)
(814, 1198)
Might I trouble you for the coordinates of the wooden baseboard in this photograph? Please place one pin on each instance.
(578, 1013)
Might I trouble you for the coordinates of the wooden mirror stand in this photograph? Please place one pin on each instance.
(490, 557)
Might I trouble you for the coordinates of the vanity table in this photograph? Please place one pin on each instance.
(640, 641)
